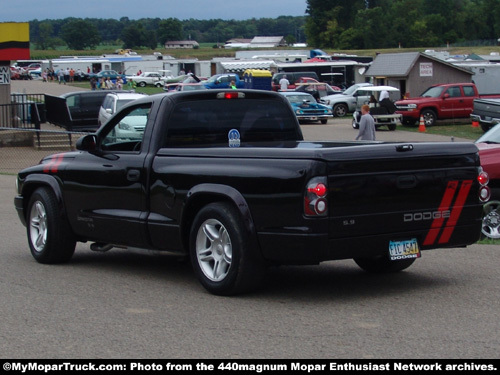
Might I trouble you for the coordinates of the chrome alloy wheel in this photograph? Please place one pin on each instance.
(38, 226)
(491, 220)
(214, 250)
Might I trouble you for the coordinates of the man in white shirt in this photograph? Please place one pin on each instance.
(284, 83)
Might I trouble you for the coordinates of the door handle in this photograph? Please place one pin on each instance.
(133, 175)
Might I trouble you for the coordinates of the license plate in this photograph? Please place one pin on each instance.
(404, 249)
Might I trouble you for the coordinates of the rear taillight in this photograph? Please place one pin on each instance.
(315, 198)
(484, 190)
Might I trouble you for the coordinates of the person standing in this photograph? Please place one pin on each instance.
(284, 83)
(60, 76)
(366, 125)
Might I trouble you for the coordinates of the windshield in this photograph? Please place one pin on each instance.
(432, 92)
(351, 89)
(491, 136)
(120, 103)
(300, 98)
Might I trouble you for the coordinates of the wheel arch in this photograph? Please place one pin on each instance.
(35, 181)
(204, 194)
(430, 108)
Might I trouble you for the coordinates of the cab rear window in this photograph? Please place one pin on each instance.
(215, 122)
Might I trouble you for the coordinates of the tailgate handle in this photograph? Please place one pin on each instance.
(406, 182)
(402, 148)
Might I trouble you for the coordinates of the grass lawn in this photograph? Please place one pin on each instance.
(462, 129)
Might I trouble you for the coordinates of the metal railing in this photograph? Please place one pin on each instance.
(25, 111)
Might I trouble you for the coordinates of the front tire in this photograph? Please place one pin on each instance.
(221, 252)
(382, 264)
(429, 116)
(49, 235)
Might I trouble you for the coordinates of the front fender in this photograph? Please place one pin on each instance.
(29, 185)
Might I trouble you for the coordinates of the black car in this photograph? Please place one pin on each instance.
(75, 111)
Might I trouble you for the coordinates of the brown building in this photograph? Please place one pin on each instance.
(413, 72)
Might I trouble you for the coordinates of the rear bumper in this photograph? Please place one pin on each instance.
(485, 119)
(313, 249)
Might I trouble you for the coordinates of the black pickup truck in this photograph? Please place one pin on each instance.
(225, 178)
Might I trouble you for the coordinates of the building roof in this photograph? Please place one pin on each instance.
(266, 41)
(181, 42)
(240, 66)
(400, 64)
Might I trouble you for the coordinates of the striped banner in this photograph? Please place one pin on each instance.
(14, 41)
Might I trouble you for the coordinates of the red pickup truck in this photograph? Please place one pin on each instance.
(443, 101)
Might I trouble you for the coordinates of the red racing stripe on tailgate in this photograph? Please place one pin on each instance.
(457, 210)
(437, 223)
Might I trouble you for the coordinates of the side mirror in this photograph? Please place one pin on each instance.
(446, 96)
(87, 143)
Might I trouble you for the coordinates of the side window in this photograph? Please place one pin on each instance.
(454, 92)
(126, 133)
(73, 101)
(469, 91)
(107, 103)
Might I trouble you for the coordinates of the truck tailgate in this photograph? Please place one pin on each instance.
(487, 108)
(404, 190)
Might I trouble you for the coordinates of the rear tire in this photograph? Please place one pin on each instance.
(340, 110)
(221, 253)
(491, 220)
(382, 264)
(49, 235)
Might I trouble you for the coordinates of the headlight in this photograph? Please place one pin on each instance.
(413, 106)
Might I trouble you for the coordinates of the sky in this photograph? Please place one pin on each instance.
(28, 10)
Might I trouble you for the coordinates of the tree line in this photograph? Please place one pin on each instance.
(80, 34)
(333, 24)
(368, 24)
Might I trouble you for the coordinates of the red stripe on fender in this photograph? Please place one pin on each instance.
(457, 210)
(54, 163)
(48, 166)
(437, 223)
(57, 162)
